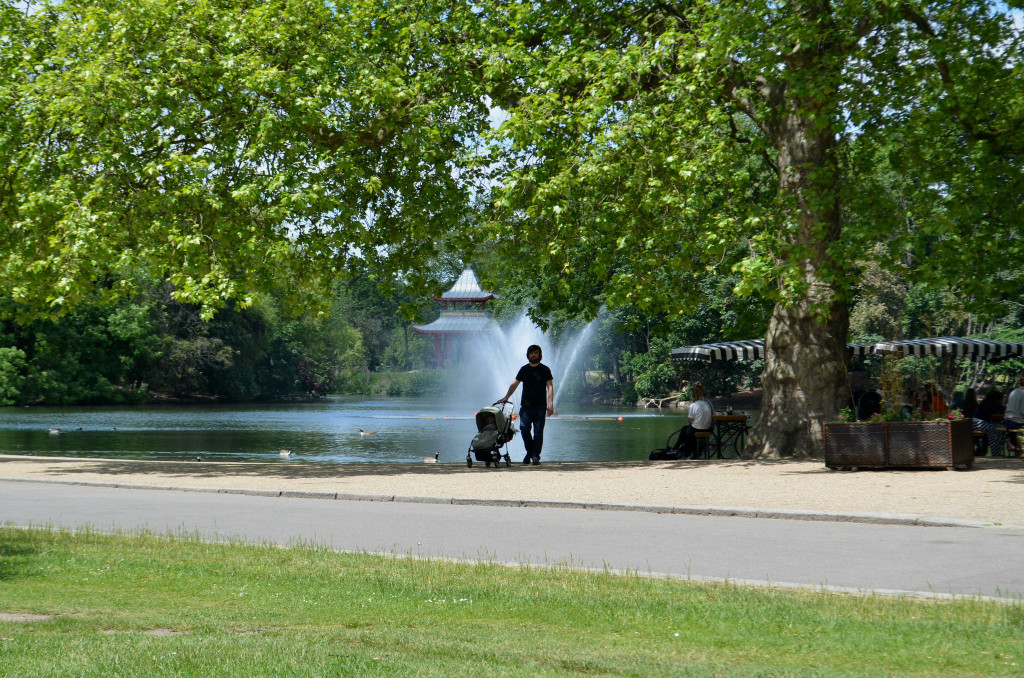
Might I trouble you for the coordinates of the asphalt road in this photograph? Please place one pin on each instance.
(846, 556)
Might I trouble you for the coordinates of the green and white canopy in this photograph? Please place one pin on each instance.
(971, 349)
(961, 347)
(751, 349)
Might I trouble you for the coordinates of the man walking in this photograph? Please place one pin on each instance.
(538, 400)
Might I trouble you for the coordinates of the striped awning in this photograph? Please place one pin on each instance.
(971, 349)
(860, 350)
(750, 349)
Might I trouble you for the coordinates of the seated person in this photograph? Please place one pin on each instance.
(988, 420)
(701, 416)
(702, 419)
(969, 404)
(1013, 419)
(869, 404)
(932, 401)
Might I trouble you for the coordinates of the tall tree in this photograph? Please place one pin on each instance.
(223, 143)
(647, 139)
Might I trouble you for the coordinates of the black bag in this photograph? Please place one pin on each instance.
(658, 455)
(672, 450)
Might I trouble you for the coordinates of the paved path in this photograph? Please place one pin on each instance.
(901, 559)
(991, 493)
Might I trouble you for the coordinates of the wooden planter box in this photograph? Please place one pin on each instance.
(899, 444)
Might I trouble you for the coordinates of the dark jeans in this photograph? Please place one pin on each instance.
(1013, 433)
(690, 440)
(533, 440)
(685, 446)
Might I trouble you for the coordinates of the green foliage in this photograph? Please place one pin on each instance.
(410, 384)
(382, 319)
(724, 378)
(225, 144)
(92, 356)
(152, 343)
(648, 145)
(844, 416)
(651, 372)
(652, 146)
(269, 147)
(12, 375)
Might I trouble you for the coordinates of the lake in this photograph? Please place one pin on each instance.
(327, 431)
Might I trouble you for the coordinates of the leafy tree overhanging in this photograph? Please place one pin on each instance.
(220, 144)
(657, 140)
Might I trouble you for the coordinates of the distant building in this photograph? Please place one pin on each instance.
(463, 312)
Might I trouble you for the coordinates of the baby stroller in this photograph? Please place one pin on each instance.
(494, 429)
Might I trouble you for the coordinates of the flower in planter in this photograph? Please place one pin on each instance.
(845, 416)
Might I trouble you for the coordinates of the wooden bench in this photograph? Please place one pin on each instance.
(980, 443)
(703, 444)
(981, 448)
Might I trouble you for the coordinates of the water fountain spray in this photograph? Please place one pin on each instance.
(489, 362)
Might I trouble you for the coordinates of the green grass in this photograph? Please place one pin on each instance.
(249, 610)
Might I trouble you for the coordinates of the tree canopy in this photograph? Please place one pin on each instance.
(652, 142)
(648, 144)
(220, 144)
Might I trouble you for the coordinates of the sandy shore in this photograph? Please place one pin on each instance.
(991, 492)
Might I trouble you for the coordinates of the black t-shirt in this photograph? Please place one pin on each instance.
(534, 380)
(986, 410)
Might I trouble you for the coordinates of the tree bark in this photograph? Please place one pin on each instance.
(805, 374)
(805, 381)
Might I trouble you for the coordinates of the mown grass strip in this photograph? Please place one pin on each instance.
(149, 605)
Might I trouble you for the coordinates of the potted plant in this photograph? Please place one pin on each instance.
(888, 440)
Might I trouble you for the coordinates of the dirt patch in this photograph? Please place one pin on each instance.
(257, 632)
(23, 617)
(148, 632)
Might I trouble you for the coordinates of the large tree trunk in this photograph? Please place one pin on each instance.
(805, 375)
(804, 381)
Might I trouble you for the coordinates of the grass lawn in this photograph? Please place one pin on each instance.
(148, 605)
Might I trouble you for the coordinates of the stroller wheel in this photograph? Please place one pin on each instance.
(469, 461)
(508, 461)
(487, 464)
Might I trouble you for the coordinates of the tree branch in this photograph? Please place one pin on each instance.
(1002, 143)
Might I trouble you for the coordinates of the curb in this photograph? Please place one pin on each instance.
(711, 511)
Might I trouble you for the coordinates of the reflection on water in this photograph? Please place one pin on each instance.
(407, 430)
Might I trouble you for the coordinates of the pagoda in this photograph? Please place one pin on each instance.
(463, 312)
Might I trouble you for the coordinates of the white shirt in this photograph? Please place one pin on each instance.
(702, 414)
(1014, 405)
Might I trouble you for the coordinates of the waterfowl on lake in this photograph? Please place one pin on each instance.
(285, 453)
(54, 431)
(366, 433)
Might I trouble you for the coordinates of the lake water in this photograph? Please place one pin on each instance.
(407, 430)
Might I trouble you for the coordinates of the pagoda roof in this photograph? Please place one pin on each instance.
(467, 288)
(459, 322)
